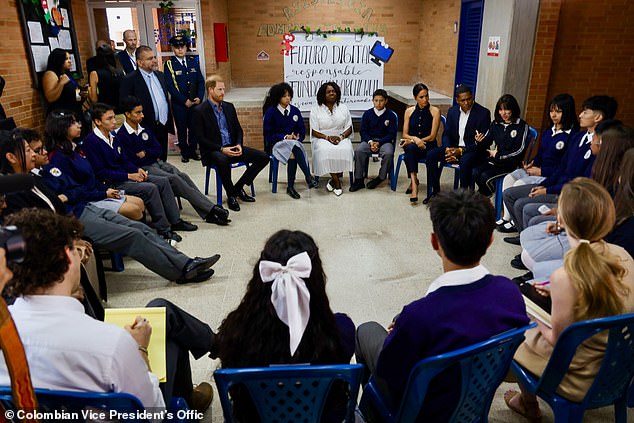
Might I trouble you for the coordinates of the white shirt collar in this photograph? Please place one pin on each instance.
(586, 139)
(131, 130)
(462, 112)
(51, 302)
(379, 112)
(559, 131)
(36, 171)
(148, 74)
(458, 277)
(101, 136)
(281, 109)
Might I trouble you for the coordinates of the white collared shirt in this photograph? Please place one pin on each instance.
(379, 112)
(109, 140)
(556, 131)
(131, 130)
(132, 58)
(462, 124)
(282, 109)
(69, 350)
(586, 139)
(458, 277)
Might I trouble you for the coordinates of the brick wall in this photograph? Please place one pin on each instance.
(438, 44)
(542, 63)
(251, 121)
(259, 26)
(593, 54)
(214, 11)
(20, 99)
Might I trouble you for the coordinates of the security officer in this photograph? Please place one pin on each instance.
(186, 85)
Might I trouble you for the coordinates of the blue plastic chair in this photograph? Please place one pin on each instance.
(482, 366)
(610, 386)
(95, 402)
(274, 165)
(401, 157)
(499, 179)
(219, 181)
(289, 393)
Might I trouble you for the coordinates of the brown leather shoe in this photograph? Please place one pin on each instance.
(201, 397)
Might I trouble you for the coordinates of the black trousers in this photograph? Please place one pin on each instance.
(161, 133)
(256, 159)
(184, 334)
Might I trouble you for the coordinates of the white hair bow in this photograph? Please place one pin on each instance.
(289, 294)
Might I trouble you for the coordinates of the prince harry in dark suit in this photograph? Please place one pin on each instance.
(458, 141)
(219, 134)
(148, 85)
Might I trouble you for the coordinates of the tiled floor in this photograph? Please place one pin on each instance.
(374, 245)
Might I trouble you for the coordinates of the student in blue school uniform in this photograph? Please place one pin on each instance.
(378, 134)
(186, 86)
(284, 132)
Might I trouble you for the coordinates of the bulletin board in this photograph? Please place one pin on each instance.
(48, 24)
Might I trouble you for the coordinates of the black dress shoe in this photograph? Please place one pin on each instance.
(292, 193)
(515, 240)
(184, 159)
(218, 220)
(428, 199)
(232, 203)
(373, 183)
(170, 235)
(194, 156)
(196, 266)
(312, 182)
(183, 225)
(242, 195)
(220, 211)
(516, 263)
(521, 280)
(198, 277)
(357, 185)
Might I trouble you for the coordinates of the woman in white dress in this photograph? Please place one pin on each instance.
(330, 132)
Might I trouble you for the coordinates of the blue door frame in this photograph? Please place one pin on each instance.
(469, 37)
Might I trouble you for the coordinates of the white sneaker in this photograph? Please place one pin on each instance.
(329, 187)
(338, 191)
(500, 222)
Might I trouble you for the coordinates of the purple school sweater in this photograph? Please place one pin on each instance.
(449, 318)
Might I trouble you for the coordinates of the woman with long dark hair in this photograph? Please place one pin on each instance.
(104, 80)
(552, 146)
(265, 329)
(284, 132)
(61, 91)
(509, 132)
(62, 130)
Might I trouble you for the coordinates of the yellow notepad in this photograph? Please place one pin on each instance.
(156, 316)
(537, 312)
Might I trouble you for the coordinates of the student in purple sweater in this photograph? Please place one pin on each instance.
(463, 306)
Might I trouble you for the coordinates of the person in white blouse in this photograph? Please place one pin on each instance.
(330, 136)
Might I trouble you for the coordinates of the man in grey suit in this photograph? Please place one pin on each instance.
(148, 85)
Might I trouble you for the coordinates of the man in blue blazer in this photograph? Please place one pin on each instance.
(216, 127)
(148, 85)
(186, 86)
(127, 57)
(458, 140)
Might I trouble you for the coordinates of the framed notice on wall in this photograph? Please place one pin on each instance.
(348, 59)
(48, 24)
